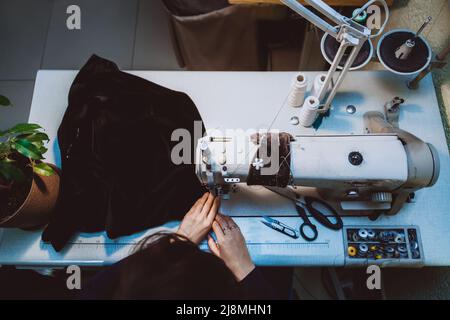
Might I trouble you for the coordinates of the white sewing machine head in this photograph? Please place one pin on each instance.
(377, 171)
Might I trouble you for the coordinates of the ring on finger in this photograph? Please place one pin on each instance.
(230, 228)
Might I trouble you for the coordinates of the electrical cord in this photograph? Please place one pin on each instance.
(326, 284)
(304, 287)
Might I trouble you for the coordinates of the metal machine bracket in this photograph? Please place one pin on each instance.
(346, 31)
(392, 111)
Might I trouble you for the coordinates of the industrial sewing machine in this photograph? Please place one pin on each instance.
(372, 173)
(375, 172)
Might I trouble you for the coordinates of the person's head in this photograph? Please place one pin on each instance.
(167, 266)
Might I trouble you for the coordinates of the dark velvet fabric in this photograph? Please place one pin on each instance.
(115, 142)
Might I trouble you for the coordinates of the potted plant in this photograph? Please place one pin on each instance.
(29, 187)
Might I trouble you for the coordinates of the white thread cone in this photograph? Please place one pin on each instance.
(298, 89)
(319, 81)
(309, 111)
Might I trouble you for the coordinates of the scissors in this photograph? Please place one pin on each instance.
(304, 205)
(280, 227)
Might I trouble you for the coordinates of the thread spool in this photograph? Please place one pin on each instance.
(309, 111)
(296, 96)
(319, 82)
(361, 17)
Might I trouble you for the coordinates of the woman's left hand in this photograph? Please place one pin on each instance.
(231, 247)
(198, 221)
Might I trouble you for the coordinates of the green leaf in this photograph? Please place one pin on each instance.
(11, 172)
(35, 137)
(23, 128)
(41, 148)
(4, 101)
(43, 169)
(27, 149)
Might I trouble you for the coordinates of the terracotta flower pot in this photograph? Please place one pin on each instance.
(35, 211)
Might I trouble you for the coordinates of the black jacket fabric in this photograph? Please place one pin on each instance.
(115, 142)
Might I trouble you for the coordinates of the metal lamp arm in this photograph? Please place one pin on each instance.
(313, 18)
(327, 11)
(347, 32)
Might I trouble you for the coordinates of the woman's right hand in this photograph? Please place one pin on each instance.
(230, 246)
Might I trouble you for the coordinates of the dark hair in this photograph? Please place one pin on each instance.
(168, 266)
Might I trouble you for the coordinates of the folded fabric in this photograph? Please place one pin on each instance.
(225, 39)
(115, 142)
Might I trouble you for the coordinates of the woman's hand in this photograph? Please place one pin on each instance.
(197, 222)
(230, 247)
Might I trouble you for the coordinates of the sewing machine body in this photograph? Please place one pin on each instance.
(323, 162)
(354, 173)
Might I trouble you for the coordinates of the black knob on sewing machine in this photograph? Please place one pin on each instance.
(355, 158)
